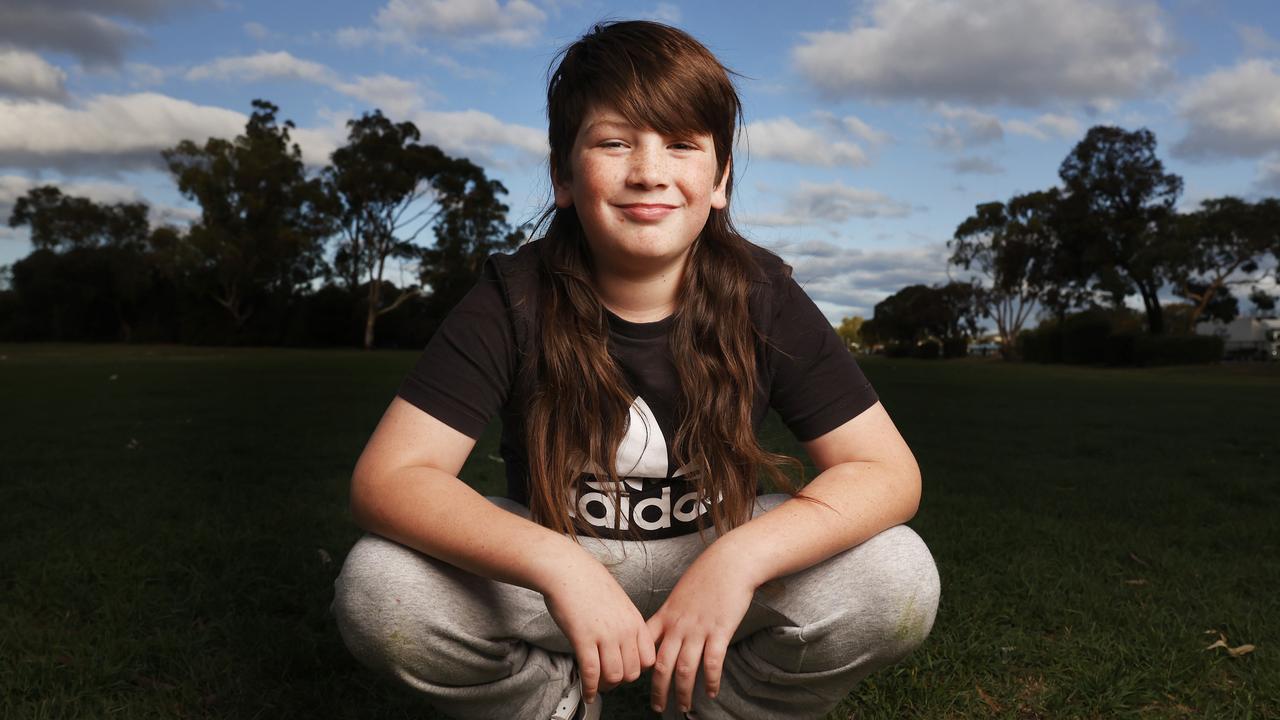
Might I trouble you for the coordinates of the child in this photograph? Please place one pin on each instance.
(632, 353)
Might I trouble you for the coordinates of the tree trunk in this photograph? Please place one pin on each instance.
(372, 316)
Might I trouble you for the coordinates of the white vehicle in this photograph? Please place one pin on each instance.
(1246, 337)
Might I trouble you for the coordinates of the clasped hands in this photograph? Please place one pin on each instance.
(613, 642)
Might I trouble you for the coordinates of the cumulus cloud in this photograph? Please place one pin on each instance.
(1027, 53)
(968, 127)
(668, 13)
(1268, 179)
(1046, 126)
(107, 133)
(851, 280)
(1256, 41)
(783, 139)
(98, 33)
(975, 166)
(395, 96)
(405, 22)
(1234, 112)
(262, 66)
(257, 31)
(26, 74)
(858, 128)
(477, 134)
(814, 203)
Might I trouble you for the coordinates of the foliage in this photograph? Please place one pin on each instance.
(64, 222)
(385, 189)
(1224, 237)
(1016, 248)
(1176, 349)
(850, 332)
(1116, 218)
(260, 237)
(472, 226)
(918, 313)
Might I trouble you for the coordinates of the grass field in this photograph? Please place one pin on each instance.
(171, 521)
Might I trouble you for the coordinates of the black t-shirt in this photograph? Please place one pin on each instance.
(468, 373)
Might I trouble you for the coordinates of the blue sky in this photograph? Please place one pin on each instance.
(873, 128)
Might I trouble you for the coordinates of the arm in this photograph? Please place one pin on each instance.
(405, 487)
(869, 482)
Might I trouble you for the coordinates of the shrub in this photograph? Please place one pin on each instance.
(955, 347)
(928, 350)
(1084, 338)
(1119, 348)
(1176, 349)
(1041, 345)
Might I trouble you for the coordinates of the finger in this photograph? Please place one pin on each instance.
(611, 667)
(646, 647)
(713, 655)
(687, 671)
(630, 659)
(588, 671)
(664, 662)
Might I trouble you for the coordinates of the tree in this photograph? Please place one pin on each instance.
(1017, 249)
(1224, 237)
(1117, 214)
(472, 226)
(63, 222)
(384, 190)
(261, 230)
(88, 271)
(850, 332)
(918, 312)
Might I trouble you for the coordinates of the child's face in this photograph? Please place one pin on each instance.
(642, 197)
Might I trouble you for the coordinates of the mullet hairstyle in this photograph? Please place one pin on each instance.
(656, 77)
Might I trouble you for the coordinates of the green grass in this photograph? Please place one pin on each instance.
(171, 521)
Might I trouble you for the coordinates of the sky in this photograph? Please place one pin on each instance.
(873, 128)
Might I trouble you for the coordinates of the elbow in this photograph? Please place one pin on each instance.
(911, 488)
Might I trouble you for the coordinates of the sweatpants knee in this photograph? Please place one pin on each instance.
(389, 605)
(903, 586)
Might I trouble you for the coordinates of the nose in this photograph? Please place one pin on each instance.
(647, 169)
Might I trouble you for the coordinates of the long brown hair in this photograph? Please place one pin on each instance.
(656, 77)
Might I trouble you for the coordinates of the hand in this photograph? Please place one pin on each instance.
(696, 623)
(608, 634)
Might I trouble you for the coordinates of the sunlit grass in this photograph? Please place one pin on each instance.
(173, 519)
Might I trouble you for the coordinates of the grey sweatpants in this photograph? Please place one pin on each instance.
(478, 648)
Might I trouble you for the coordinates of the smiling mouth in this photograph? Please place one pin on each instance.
(646, 211)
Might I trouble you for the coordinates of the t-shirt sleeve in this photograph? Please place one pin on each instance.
(817, 385)
(463, 378)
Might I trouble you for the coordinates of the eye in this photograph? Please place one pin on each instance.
(684, 145)
(612, 144)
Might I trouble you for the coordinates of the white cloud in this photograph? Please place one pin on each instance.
(98, 33)
(1046, 126)
(257, 31)
(1255, 40)
(1028, 53)
(969, 127)
(477, 134)
(1268, 179)
(668, 13)
(783, 139)
(394, 96)
(852, 280)
(859, 129)
(814, 204)
(403, 22)
(262, 66)
(106, 133)
(975, 166)
(1233, 112)
(26, 74)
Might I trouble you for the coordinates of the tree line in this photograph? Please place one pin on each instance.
(278, 254)
(1110, 231)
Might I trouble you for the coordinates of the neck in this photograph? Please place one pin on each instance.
(641, 296)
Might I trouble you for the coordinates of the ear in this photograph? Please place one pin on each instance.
(563, 189)
(720, 195)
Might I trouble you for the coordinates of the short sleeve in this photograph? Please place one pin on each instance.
(816, 385)
(464, 375)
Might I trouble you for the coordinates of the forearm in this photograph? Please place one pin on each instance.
(858, 501)
(438, 514)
